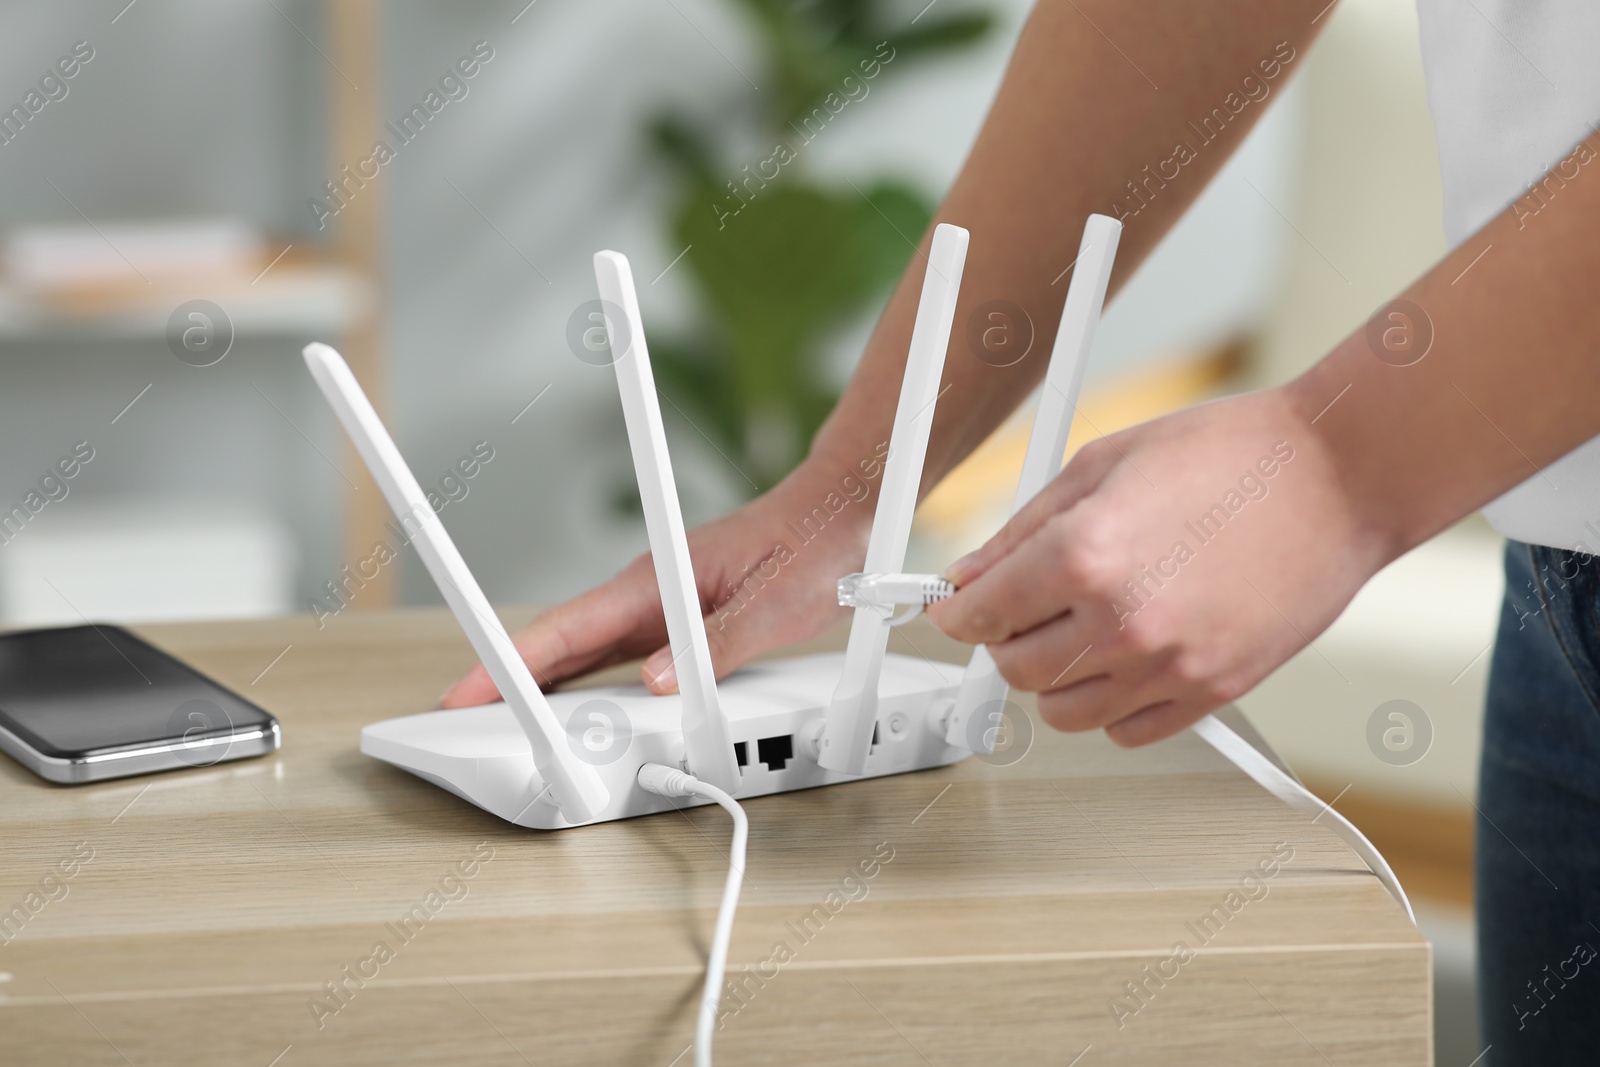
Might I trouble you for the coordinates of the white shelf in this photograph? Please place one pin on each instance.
(322, 300)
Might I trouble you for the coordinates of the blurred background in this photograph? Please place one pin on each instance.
(201, 197)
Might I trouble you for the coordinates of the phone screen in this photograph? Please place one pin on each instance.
(83, 689)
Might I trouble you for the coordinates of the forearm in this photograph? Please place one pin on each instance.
(1078, 126)
(1511, 381)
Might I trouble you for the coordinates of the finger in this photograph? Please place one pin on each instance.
(1098, 702)
(1082, 474)
(1155, 722)
(617, 620)
(1051, 655)
(1060, 568)
(763, 616)
(1083, 705)
(470, 690)
(1073, 647)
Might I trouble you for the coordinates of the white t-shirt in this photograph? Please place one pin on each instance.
(1514, 85)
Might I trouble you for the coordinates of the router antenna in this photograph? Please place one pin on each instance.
(707, 741)
(847, 735)
(574, 787)
(983, 691)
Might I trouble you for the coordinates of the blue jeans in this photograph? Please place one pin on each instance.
(1538, 832)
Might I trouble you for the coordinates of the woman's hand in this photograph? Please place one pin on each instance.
(767, 576)
(1169, 568)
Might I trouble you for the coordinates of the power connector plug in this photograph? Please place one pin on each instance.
(667, 781)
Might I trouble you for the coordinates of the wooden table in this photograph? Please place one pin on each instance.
(976, 914)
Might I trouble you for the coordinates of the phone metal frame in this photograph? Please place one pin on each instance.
(122, 761)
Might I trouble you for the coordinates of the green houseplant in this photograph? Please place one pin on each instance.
(779, 261)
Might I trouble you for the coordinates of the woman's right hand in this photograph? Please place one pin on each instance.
(762, 585)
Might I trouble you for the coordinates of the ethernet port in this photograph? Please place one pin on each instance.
(741, 752)
(775, 752)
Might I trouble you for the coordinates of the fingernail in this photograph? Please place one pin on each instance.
(660, 670)
(959, 571)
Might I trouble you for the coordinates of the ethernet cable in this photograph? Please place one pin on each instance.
(885, 592)
(669, 782)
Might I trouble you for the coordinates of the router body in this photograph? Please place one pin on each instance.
(772, 727)
(481, 754)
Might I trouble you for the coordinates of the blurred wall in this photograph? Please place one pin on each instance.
(549, 150)
(188, 108)
(1368, 207)
(1368, 216)
(492, 214)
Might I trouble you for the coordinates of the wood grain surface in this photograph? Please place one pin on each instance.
(992, 912)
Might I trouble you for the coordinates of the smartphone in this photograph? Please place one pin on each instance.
(86, 703)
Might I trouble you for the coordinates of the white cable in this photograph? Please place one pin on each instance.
(884, 592)
(669, 782)
(1247, 758)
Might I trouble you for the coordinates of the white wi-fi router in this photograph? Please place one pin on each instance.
(772, 727)
(768, 728)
